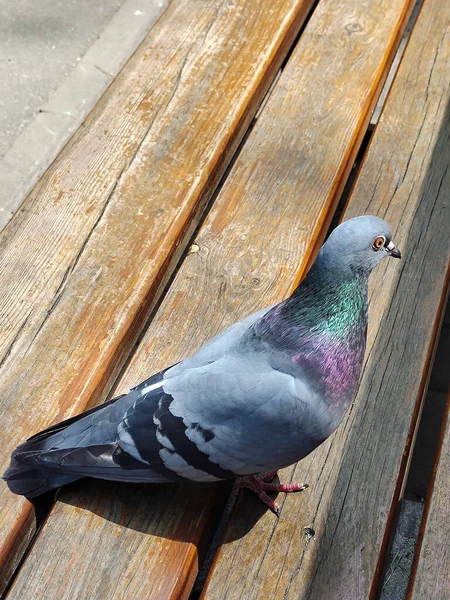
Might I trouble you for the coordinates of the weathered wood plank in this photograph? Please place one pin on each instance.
(431, 569)
(355, 477)
(264, 226)
(82, 263)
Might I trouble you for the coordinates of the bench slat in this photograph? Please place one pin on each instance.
(269, 217)
(431, 569)
(83, 261)
(355, 478)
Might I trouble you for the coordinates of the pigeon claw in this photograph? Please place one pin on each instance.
(260, 484)
(286, 487)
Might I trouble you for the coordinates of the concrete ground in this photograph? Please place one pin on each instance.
(40, 44)
(57, 57)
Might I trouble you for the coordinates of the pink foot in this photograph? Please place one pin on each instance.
(260, 484)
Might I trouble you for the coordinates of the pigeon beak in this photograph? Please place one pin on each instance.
(393, 251)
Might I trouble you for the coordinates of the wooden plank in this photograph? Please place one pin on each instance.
(430, 577)
(83, 262)
(356, 476)
(270, 215)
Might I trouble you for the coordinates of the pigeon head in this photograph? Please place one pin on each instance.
(359, 244)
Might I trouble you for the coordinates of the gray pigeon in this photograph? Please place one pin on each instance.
(258, 397)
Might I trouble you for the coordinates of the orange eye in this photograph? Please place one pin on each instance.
(379, 242)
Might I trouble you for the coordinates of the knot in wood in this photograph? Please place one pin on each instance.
(353, 28)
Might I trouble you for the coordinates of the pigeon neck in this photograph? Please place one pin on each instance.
(328, 308)
(320, 331)
(330, 297)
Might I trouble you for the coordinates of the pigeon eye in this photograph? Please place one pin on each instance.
(379, 242)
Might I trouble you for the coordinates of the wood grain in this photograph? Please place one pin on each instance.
(431, 569)
(84, 260)
(263, 228)
(356, 476)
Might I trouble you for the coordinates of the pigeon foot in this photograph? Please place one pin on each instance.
(260, 484)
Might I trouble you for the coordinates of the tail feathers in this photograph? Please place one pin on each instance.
(103, 461)
(29, 474)
(30, 482)
(83, 446)
(75, 460)
(34, 472)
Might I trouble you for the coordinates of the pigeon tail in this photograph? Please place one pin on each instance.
(85, 445)
(30, 481)
(26, 475)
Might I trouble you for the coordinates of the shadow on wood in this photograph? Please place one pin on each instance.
(132, 504)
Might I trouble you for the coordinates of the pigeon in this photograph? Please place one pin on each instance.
(258, 397)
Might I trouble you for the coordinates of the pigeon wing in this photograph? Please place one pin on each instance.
(234, 416)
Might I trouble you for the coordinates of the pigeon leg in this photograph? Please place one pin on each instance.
(260, 484)
(266, 477)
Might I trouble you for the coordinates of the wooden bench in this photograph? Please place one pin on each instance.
(98, 258)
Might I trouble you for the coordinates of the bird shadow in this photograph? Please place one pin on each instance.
(184, 512)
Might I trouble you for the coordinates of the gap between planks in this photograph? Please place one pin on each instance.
(430, 575)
